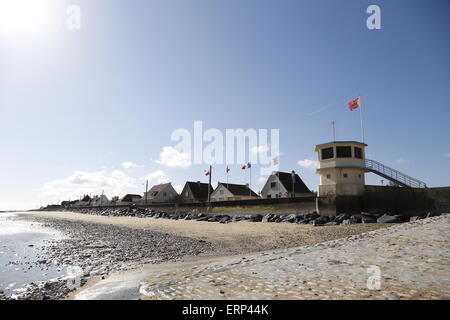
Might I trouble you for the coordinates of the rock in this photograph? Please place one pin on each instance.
(414, 218)
(322, 220)
(331, 223)
(256, 218)
(347, 221)
(356, 218)
(341, 217)
(267, 217)
(390, 219)
(371, 214)
(214, 219)
(366, 219)
(225, 219)
(290, 218)
(237, 218)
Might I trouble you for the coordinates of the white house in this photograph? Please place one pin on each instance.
(161, 193)
(98, 201)
(229, 191)
(283, 185)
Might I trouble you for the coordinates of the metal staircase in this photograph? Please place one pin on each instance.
(393, 175)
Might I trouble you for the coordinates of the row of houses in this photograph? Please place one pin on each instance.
(278, 185)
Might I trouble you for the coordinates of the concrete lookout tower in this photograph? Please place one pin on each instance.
(341, 168)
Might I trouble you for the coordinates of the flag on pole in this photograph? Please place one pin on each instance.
(228, 169)
(206, 173)
(249, 165)
(352, 105)
(244, 167)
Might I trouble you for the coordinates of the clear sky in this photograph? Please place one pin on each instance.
(92, 109)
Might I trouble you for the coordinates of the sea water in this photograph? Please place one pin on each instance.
(21, 245)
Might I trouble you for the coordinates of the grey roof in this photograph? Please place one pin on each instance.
(129, 197)
(159, 187)
(239, 189)
(199, 190)
(286, 181)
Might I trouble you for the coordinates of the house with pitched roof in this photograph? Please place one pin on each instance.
(284, 185)
(195, 192)
(129, 199)
(230, 191)
(161, 193)
(98, 201)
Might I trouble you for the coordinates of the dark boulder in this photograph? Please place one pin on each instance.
(256, 218)
(341, 217)
(225, 219)
(367, 219)
(290, 218)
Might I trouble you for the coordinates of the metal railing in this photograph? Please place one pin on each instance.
(393, 175)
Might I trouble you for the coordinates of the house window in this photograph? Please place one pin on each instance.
(343, 152)
(187, 194)
(358, 152)
(164, 194)
(345, 175)
(273, 185)
(269, 196)
(359, 176)
(328, 176)
(221, 191)
(327, 153)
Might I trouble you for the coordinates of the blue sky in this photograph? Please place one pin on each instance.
(76, 105)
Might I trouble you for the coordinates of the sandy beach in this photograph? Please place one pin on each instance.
(232, 238)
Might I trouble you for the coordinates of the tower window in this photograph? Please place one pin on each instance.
(359, 175)
(327, 153)
(328, 176)
(345, 175)
(344, 152)
(358, 152)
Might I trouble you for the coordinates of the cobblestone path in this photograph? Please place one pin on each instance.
(405, 261)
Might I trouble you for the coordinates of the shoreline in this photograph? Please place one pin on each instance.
(102, 246)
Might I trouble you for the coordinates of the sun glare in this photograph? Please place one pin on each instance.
(23, 17)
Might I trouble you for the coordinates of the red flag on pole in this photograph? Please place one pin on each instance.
(352, 105)
(228, 169)
(206, 173)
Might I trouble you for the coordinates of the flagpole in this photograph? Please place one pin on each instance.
(361, 119)
(250, 186)
(209, 184)
(227, 177)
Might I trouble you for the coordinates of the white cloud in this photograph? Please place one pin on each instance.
(172, 158)
(260, 149)
(447, 155)
(84, 182)
(129, 164)
(157, 177)
(402, 161)
(308, 163)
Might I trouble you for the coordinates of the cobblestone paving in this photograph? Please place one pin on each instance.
(413, 261)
